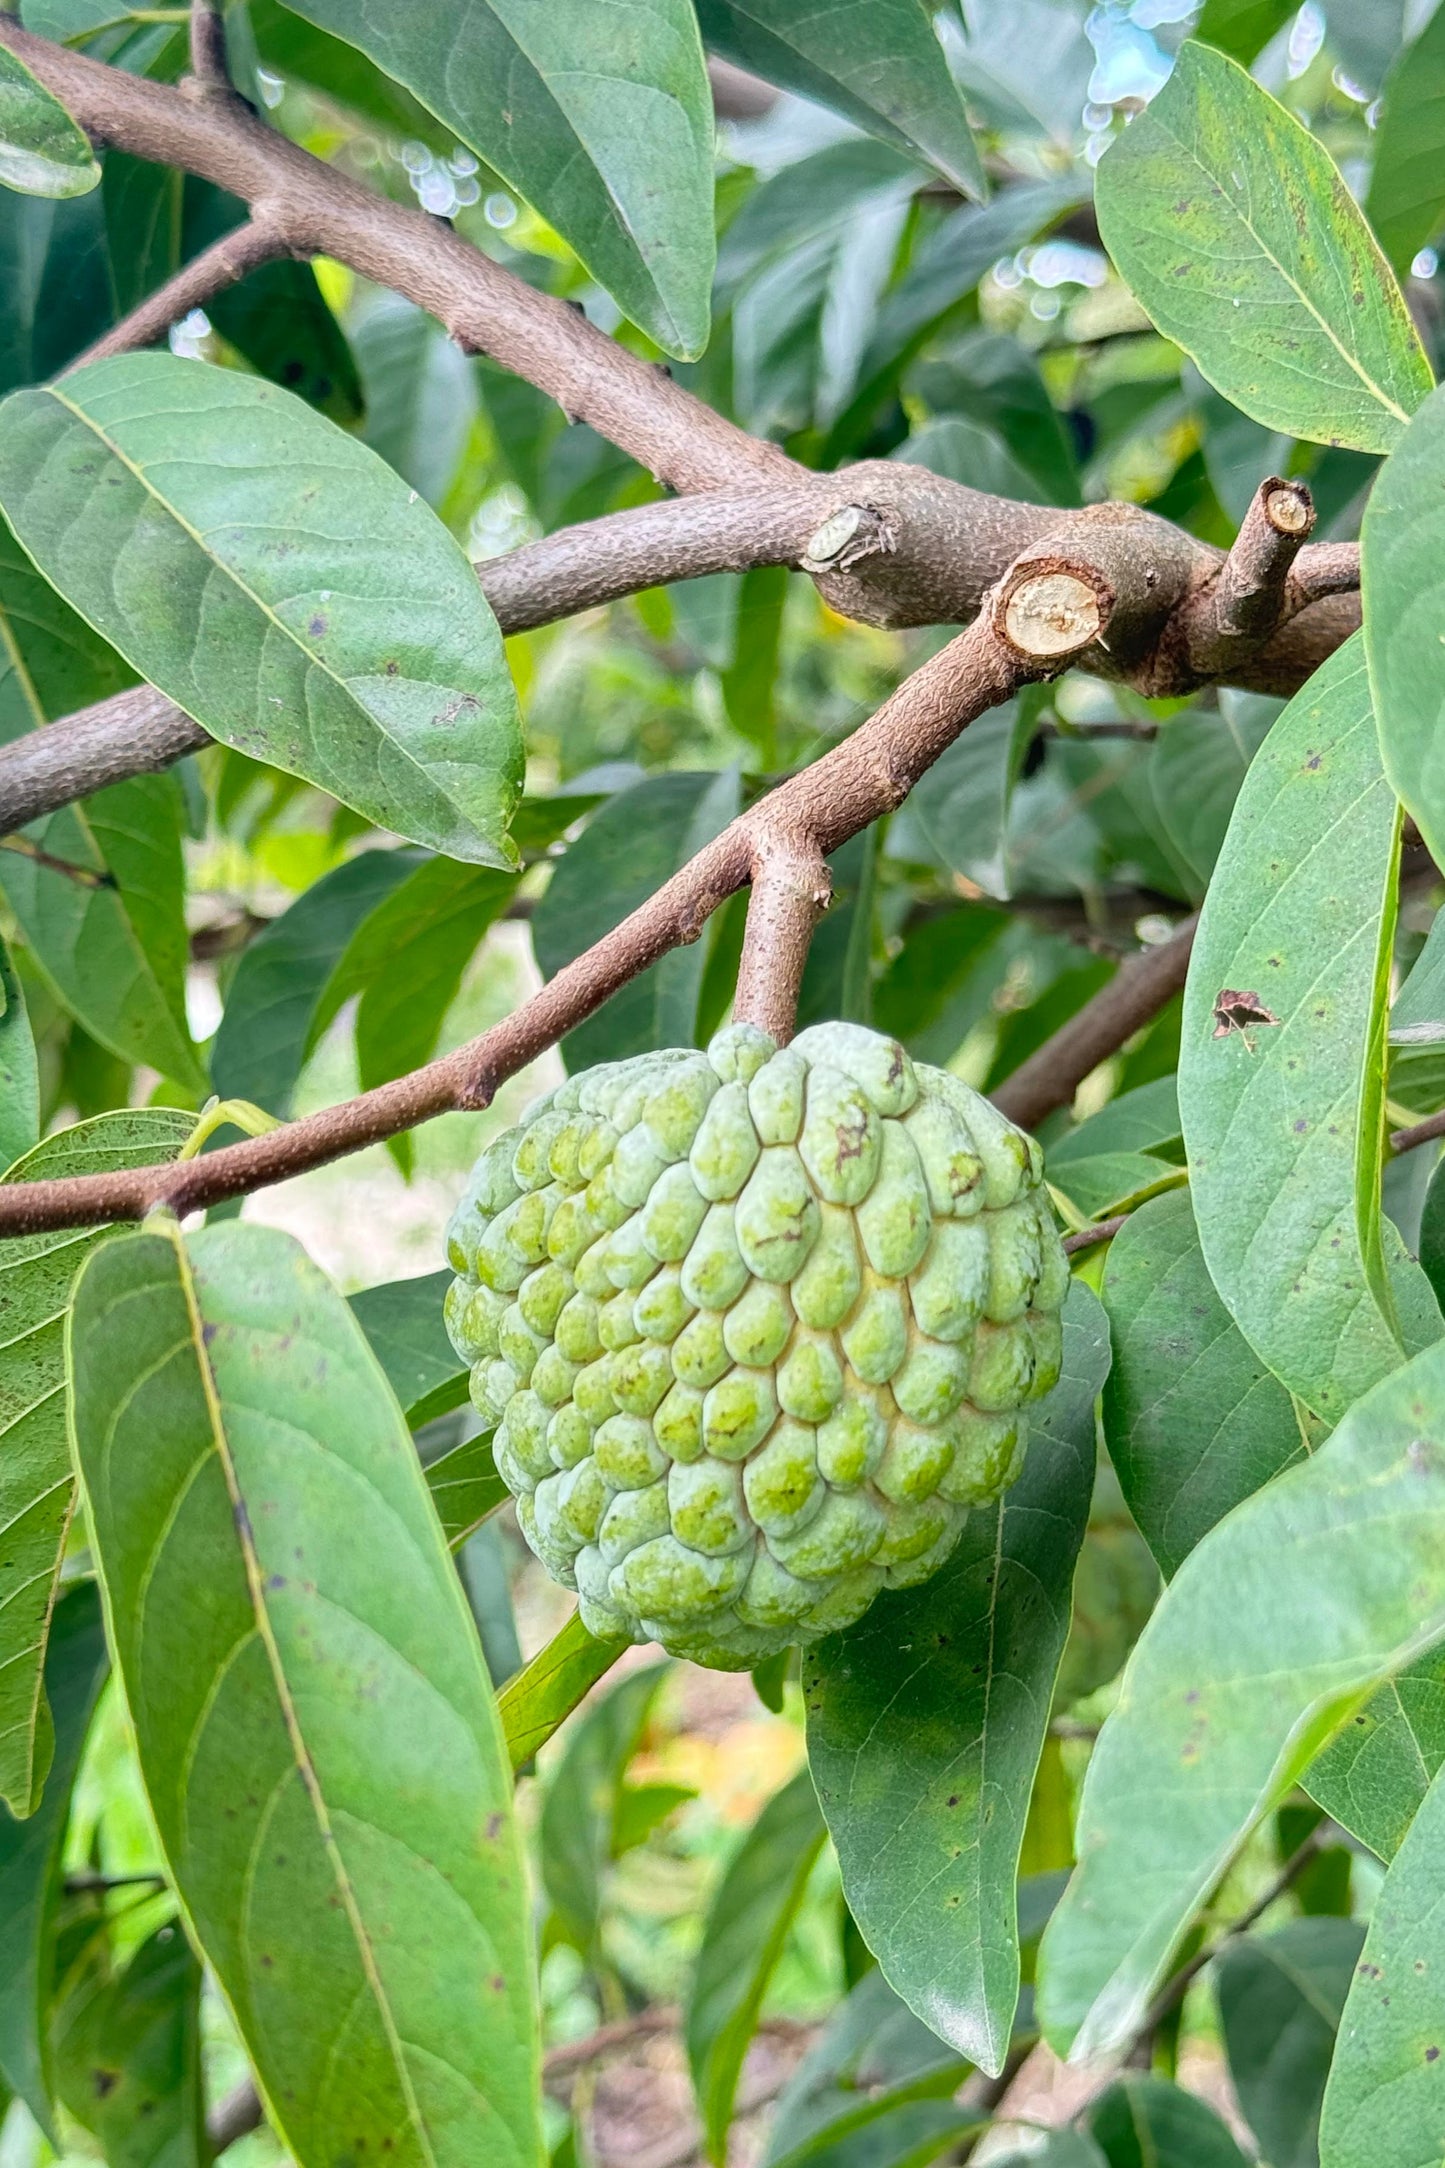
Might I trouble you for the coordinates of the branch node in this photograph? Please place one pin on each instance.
(846, 536)
(1251, 595)
(1049, 614)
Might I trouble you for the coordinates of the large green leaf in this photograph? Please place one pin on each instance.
(50, 660)
(881, 66)
(129, 2065)
(1406, 200)
(1373, 1776)
(1280, 1998)
(19, 1076)
(546, 1691)
(1236, 232)
(1382, 2103)
(403, 1321)
(579, 1814)
(924, 1767)
(598, 115)
(274, 1015)
(336, 71)
(30, 1853)
(961, 806)
(466, 1489)
(406, 960)
(1193, 1419)
(316, 1735)
(111, 938)
(1242, 27)
(358, 652)
(747, 1924)
(421, 393)
(631, 846)
(1403, 582)
(55, 276)
(36, 1490)
(1274, 1629)
(871, 2044)
(1197, 767)
(1142, 2121)
(43, 152)
(1284, 1117)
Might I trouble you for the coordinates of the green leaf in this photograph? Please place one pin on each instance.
(1373, 1776)
(1404, 600)
(580, 1810)
(628, 849)
(546, 1691)
(924, 1767)
(403, 1321)
(55, 276)
(129, 2068)
(1417, 1015)
(299, 52)
(406, 959)
(1146, 2122)
(51, 663)
(1235, 231)
(111, 939)
(1194, 1421)
(43, 152)
(1025, 65)
(1300, 917)
(19, 1077)
(748, 1921)
(421, 393)
(602, 123)
(273, 1016)
(36, 1488)
(1197, 768)
(837, 978)
(882, 67)
(484, 1568)
(1280, 1998)
(1242, 28)
(1382, 2102)
(363, 657)
(962, 804)
(30, 1852)
(1241, 1675)
(465, 1489)
(1406, 199)
(871, 2043)
(317, 1738)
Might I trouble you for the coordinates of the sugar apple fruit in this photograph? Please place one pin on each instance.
(756, 1327)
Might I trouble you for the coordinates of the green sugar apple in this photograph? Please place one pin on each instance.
(755, 1328)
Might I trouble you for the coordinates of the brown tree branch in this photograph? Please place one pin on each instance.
(210, 76)
(1135, 994)
(1014, 638)
(790, 892)
(1424, 1132)
(223, 264)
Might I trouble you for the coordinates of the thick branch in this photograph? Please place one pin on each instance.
(870, 774)
(320, 212)
(1135, 994)
(221, 265)
(133, 733)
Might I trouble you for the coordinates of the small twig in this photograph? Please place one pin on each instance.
(790, 892)
(80, 1885)
(1132, 998)
(210, 74)
(223, 264)
(82, 876)
(1405, 1140)
(1249, 594)
(1088, 1238)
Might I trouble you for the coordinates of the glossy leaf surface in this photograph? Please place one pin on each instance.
(323, 1739)
(926, 1719)
(1193, 1419)
(150, 491)
(1238, 235)
(598, 115)
(1274, 1629)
